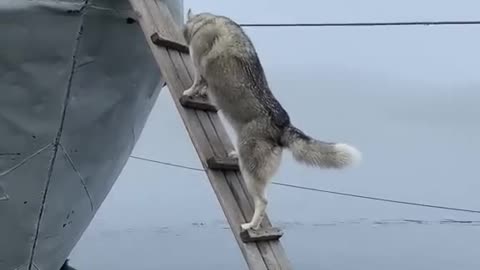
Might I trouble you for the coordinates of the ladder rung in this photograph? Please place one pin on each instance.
(170, 44)
(226, 163)
(263, 234)
(197, 103)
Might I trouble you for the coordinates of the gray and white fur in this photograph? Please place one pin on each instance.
(228, 70)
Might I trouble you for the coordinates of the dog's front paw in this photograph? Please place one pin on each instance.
(233, 154)
(190, 92)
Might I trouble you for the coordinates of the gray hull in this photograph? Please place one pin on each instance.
(77, 84)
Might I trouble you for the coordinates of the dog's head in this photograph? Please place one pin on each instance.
(194, 22)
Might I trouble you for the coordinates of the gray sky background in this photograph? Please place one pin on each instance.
(407, 97)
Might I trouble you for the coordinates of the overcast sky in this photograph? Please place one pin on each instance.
(407, 97)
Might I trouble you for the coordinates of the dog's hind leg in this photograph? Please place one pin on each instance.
(259, 160)
(257, 191)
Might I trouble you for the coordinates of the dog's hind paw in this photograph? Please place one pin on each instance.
(246, 226)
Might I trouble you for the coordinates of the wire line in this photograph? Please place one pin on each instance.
(361, 24)
(168, 164)
(378, 199)
(327, 191)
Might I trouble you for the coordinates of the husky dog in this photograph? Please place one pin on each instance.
(228, 70)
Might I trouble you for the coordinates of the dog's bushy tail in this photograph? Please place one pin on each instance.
(313, 152)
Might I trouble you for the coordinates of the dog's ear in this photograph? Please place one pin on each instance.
(189, 14)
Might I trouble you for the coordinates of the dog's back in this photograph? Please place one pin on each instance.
(235, 76)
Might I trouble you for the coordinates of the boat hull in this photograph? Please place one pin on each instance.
(77, 84)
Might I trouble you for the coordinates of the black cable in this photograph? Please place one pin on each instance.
(168, 164)
(378, 199)
(328, 191)
(369, 24)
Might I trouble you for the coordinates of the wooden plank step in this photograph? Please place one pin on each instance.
(158, 40)
(262, 234)
(225, 164)
(197, 103)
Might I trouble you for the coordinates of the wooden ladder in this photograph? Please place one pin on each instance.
(261, 248)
